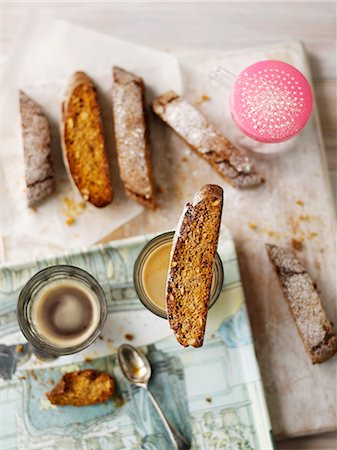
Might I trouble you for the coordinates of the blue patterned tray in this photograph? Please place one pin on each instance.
(213, 394)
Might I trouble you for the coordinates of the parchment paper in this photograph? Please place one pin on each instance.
(47, 52)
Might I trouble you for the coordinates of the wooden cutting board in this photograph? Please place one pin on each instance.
(294, 204)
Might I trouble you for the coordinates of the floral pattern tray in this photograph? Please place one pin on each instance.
(213, 394)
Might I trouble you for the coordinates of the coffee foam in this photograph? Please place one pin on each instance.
(69, 314)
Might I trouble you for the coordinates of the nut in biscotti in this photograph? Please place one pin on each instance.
(313, 324)
(82, 388)
(83, 144)
(230, 162)
(191, 266)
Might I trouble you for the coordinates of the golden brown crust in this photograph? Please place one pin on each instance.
(82, 388)
(230, 162)
(191, 266)
(132, 137)
(82, 138)
(313, 325)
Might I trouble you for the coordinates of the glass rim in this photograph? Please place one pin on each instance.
(148, 248)
(25, 297)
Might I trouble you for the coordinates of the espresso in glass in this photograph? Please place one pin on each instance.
(61, 310)
(65, 312)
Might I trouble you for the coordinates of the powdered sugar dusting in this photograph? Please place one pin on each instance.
(193, 127)
(130, 133)
(271, 101)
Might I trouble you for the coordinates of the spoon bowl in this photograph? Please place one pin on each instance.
(134, 364)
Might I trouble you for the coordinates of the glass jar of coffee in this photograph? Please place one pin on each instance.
(61, 310)
(150, 274)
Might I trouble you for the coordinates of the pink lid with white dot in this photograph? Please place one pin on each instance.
(271, 101)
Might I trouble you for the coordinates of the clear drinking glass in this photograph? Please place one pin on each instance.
(29, 294)
(217, 283)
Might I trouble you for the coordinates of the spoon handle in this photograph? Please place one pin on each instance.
(178, 441)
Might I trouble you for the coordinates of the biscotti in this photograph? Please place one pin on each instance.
(82, 388)
(191, 266)
(39, 170)
(314, 327)
(132, 137)
(230, 162)
(84, 149)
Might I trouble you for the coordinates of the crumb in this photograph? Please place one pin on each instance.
(312, 235)
(33, 209)
(72, 209)
(129, 337)
(118, 400)
(296, 244)
(293, 224)
(70, 221)
(299, 202)
(205, 98)
(100, 337)
(19, 348)
(202, 99)
(304, 217)
(322, 250)
(317, 265)
(32, 374)
(88, 359)
(208, 400)
(23, 378)
(69, 203)
(184, 159)
(252, 226)
(109, 340)
(272, 233)
(51, 381)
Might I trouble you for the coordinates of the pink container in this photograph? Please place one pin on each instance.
(271, 101)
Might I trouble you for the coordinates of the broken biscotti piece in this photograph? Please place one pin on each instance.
(82, 138)
(82, 388)
(313, 325)
(132, 137)
(230, 162)
(191, 265)
(39, 170)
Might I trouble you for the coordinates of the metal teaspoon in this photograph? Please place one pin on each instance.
(137, 369)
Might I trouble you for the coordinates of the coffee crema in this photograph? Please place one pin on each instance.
(154, 274)
(65, 313)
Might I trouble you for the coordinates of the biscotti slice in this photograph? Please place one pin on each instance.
(313, 325)
(131, 134)
(82, 388)
(39, 170)
(230, 162)
(191, 265)
(84, 149)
